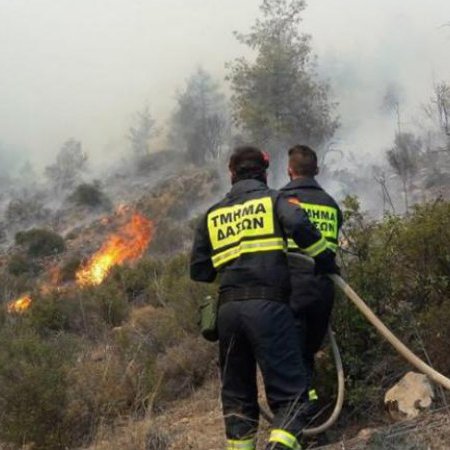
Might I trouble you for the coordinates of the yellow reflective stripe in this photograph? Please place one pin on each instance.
(312, 395)
(259, 245)
(332, 246)
(285, 438)
(293, 246)
(247, 444)
(317, 248)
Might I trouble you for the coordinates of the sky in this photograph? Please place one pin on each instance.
(82, 68)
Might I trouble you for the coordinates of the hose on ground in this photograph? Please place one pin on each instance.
(389, 336)
(340, 394)
(385, 333)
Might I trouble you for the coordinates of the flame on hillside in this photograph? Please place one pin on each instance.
(20, 305)
(128, 244)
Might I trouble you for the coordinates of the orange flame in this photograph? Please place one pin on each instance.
(20, 305)
(128, 244)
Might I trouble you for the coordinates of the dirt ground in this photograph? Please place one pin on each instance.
(196, 424)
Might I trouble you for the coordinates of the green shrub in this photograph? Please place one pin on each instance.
(22, 210)
(137, 281)
(183, 368)
(50, 313)
(171, 236)
(90, 311)
(99, 391)
(13, 286)
(89, 194)
(40, 242)
(182, 294)
(69, 269)
(149, 332)
(19, 265)
(401, 267)
(113, 302)
(32, 388)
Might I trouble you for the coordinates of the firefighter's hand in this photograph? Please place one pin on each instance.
(325, 263)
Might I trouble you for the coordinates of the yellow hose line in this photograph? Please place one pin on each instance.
(340, 396)
(389, 336)
(341, 390)
(385, 333)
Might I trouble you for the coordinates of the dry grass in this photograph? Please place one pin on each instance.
(429, 432)
(196, 423)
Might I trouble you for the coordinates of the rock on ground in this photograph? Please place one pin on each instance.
(411, 395)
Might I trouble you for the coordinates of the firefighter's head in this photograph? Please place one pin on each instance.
(302, 162)
(247, 163)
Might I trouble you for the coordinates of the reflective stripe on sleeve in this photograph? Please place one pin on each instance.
(293, 246)
(259, 245)
(317, 248)
(284, 438)
(332, 246)
(247, 444)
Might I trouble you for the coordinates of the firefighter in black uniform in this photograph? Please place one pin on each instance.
(312, 295)
(243, 239)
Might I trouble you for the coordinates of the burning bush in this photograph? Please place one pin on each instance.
(90, 194)
(128, 244)
(41, 242)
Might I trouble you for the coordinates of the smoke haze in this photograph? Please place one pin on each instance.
(82, 68)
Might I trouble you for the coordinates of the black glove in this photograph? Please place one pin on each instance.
(325, 263)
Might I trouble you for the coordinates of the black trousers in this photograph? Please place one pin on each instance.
(260, 332)
(312, 301)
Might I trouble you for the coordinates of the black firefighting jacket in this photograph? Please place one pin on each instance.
(321, 208)
(308, 289)
(243, 239)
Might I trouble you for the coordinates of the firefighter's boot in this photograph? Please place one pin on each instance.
(312, 410)
(279, 447)
(282, 440)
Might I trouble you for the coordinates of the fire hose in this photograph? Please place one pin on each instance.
(385, 333)
(340, 394)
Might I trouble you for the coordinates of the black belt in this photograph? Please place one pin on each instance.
(253, 293)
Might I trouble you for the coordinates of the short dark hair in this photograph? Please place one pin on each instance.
(303, 160)
(248, 162)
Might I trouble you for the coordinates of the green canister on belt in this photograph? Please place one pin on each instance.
(208, 318)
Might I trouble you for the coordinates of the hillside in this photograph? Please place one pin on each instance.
(114, 360)
(197, 423)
